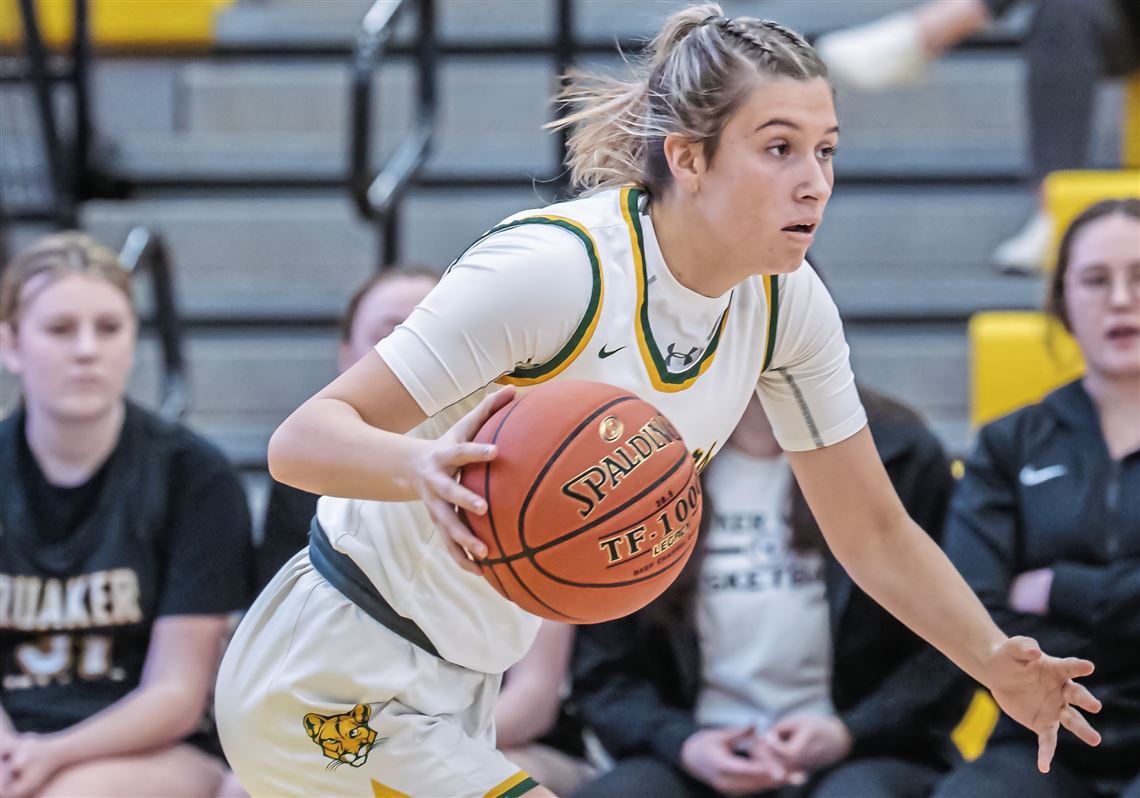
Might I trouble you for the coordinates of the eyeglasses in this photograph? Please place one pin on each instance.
(1101, 284)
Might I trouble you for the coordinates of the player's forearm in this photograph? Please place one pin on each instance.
(905, 571)
(325, 447)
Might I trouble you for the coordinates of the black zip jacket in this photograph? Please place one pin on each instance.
(636, 679)
(1041, 491)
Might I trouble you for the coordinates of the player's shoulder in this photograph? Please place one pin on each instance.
(590, 210)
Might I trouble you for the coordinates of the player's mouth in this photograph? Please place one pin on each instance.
(804, 231)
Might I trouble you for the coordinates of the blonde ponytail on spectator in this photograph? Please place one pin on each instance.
(691, 78)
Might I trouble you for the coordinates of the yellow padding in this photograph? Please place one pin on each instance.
(120, 22)
(1130, 134)
(1016, 357)
(1067, 194)
(974, 730)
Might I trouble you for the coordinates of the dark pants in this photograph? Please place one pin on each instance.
(645, 777)
(876, 777)
(1010, 768)
(1072, 45)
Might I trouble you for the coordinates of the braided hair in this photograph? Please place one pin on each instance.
(693, 76)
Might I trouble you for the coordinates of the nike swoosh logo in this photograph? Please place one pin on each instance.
(1031, 476)
(603, 354)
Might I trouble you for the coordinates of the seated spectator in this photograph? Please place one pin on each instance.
(534, 725)
(1098, 38)
(375, 309)
(123, 548)
(726, 685)
(1045, 524)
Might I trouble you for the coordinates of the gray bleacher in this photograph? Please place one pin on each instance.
(262, 275)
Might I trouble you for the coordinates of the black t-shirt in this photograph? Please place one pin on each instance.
(288, 516)
(161, 529)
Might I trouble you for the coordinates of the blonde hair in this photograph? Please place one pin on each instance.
(58, 255)
(691, 79)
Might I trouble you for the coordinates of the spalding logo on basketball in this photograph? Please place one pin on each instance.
(593, 502)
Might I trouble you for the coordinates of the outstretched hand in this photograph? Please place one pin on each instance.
(1038, 691)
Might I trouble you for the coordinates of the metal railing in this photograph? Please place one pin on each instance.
(146, 250)
(377, 194)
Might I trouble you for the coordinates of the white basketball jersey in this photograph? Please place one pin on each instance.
(579, 291)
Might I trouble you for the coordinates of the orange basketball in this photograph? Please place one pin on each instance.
(593, 502)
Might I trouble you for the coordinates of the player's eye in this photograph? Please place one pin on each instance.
(827, 153)
(779, 149)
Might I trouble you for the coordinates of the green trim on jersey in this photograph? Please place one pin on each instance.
(532, 375)
(662, 378)
(772, 283)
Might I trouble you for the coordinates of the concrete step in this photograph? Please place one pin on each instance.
(906, 252)
(243, 383)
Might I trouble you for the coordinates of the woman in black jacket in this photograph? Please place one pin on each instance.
(1045, 526)
(878, 721)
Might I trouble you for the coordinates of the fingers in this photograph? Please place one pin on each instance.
(1079, 696)
(461, 454)
(444, 486)
(1046, 746)
(1075, 668)
(466, 428)
(1076, 723)
(1025, 649)
(456, 532)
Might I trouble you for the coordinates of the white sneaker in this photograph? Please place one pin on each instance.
(1028, 251)
(875, 56)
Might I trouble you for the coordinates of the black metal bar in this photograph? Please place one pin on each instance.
(49, 127)
(144, 249)
(80, 66)
(375, 196)
(444, 181)
(565, 48)
(327, 52)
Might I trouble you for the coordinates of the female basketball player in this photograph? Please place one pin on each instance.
(679, 276)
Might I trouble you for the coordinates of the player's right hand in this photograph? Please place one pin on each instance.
(434, 479)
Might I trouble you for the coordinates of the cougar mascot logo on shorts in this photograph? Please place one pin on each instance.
(344, 738)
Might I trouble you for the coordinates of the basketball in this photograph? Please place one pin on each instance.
(593, 502)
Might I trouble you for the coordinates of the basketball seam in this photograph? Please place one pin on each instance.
(647, 577)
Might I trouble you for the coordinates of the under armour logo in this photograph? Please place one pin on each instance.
(686, 357)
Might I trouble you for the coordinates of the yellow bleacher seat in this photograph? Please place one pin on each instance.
(1016, 357)
(1070, 192)
(122, 23)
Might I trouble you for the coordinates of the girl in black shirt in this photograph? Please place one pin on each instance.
(123, 547)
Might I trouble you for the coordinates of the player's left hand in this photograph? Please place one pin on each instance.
(29, 761)
(808, 742)
(1038, 691)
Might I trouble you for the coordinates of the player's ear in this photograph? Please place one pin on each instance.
(361, 713)
(686, 159)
